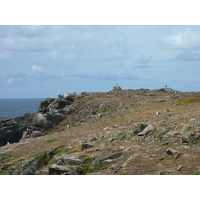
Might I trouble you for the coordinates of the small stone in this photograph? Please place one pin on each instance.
(28, 172)
(112, 139)
(107, 161)
(114, 156)
(93, 139)
(86, 146)
(97, 161)
(172, 153)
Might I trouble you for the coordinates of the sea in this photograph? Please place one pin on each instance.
(16, 107)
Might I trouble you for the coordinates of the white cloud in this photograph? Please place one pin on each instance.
(10, 80)
(184, 39)
(36, 68)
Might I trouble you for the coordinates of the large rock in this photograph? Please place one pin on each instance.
(59, 169)
(190, 137)
(171, 153)
(10, 131)
(44, 104)
(113, 156)
(166, 89)
(41, 120)
(55, 117)
(116, 88)
(58, 104)
(67, 110)
(148, 129)
(86, 146)
(35, 134)
(67, 160)
(68, 96)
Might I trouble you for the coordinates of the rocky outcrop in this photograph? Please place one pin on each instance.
(10, 131)
(44, 105)
(166, 89)
(116, 88)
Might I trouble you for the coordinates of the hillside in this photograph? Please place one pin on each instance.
(117, 132)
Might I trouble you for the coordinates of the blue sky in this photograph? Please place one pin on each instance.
(40, 61)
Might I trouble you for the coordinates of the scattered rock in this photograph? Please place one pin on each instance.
(86, 146)
(162, 100)
(127, 107)
(114, 156)
(93, 139)
(164, 131)
(96, 161)
(129, 134)
(172, 153)
(111, 140)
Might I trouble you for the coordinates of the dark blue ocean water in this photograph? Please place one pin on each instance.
(17, 107)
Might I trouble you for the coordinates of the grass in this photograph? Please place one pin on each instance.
(196, 142)
(86, 167)
(160, 137)
(73, 151)
(188, 128)
(61, 150)
(7, 157)
(197, 173)
(188, 100)
(52, 140)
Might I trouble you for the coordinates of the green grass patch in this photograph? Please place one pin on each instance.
(41, 157)
(73, 151)
(188, 128)
(7, 157)
(52, 140)
(188, 100)
(196, 142)
(160, 137)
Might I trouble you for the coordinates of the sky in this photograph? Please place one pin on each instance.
(40, 61)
